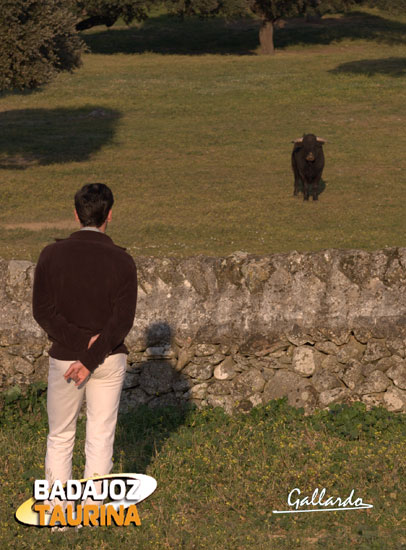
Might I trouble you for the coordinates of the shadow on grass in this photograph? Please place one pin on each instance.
(170, 35)
(390, 66)
(47, 136)
(22, 93)
(353, 26)
(321, 188)
(167, 34)
(153, 388)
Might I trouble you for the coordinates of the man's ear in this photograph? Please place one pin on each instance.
(76, 215)
(109, 215)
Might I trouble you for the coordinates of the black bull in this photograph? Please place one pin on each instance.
(308, 164)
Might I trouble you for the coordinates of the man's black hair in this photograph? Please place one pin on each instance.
(93, 203)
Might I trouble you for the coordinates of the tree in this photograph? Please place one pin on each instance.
(38, 39)
(336, 6)
(106, 12)
(269, 11)
(394, 7)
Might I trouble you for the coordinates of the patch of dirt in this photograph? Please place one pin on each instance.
(18, 162)
(38, 226)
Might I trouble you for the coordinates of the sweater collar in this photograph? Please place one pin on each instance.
(90, 229)
(91, 236)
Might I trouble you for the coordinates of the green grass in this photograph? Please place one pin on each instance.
(192, 130)
(220, 478)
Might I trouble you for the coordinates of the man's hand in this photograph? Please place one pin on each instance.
(77, 372)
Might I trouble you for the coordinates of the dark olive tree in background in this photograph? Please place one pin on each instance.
(271, 11)
(268, 11)
(394, 7)
(320, 7)
(337, 6)
(106, 12)
(37, 40)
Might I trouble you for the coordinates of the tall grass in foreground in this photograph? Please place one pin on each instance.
(220, 477)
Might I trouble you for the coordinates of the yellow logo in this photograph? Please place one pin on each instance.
(64, 504)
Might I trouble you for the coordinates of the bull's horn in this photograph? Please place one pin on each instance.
(298, 140)
(320, 140)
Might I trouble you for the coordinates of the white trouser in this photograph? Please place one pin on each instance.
(64, 399)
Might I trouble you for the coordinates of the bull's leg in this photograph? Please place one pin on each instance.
(296, 186)
(315, 189)
(305, 190)
(297, 181)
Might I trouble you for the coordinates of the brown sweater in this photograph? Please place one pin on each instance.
(85, 285)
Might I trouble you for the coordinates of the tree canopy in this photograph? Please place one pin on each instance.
(269, 11)
(106, 12)
(391, 6)
(38, 39)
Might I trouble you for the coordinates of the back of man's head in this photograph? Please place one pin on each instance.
(93, 203)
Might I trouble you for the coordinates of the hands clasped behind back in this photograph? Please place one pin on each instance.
(77, 371)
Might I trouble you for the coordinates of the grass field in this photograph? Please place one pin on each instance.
(220, 478)
(192, 130)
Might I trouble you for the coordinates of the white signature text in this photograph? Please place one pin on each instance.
(322, 504)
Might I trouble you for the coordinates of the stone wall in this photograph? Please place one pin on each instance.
(318, 328)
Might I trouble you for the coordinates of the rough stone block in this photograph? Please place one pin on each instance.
(325, 380)
(200, 372)
(184, 357)
(249, 382)
(375, 350)
(219, 387)
(305, 360)
(327, 347)
(353, 376)
(156, 378)
(373, 399)
(331, 364)
(199, 391)
(328, 397)
(352, 350)
(394, 399)
(398, 375)
(256, 399)
(205, 349)
(281, 384)
(304, 396)
(216, 358)
(226, 370)
(11, 364)
(226, 402)
(375, 383)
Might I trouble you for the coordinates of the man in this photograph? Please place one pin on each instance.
(84, 297)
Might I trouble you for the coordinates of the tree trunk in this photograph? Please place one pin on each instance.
(266, 37)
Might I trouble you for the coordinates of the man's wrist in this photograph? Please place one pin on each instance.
(86, 360)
